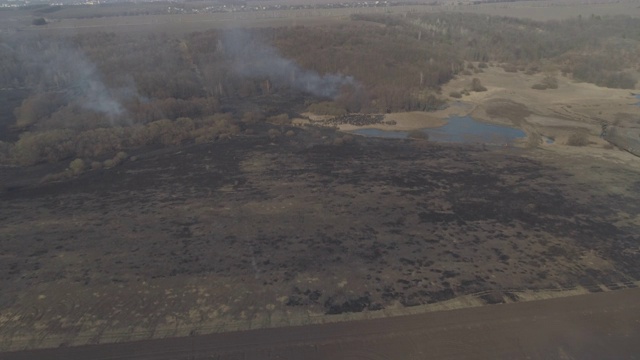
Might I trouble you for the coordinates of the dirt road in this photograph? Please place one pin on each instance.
(594, 326)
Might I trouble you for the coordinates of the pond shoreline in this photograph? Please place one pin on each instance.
(456, 129)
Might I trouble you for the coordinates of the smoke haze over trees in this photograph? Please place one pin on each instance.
(254, 59)
(88, 88)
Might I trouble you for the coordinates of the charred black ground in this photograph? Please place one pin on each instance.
(373, 222)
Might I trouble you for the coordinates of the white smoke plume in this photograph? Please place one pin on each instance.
(254, 59)
(88, 85)
(83, 83)
(56, 66)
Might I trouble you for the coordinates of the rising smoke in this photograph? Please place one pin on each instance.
(254, 59)
(83, 83)
(94, 95)
(57, 67)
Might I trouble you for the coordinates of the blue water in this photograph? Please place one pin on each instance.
(457, 130)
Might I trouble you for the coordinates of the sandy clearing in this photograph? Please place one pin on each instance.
(554, 122)
(554, 114)
(572, 100)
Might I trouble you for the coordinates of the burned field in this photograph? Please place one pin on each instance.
(253, 229)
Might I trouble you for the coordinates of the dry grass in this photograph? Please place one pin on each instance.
(551, 9)
(507, 109)
(578, 139)
(185, 23)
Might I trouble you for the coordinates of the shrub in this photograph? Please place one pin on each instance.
(56, 177)
(97, 142)
(39, 21)
(418, 135)
(533, 69)
(534, 140)
(178, 131)
(476, 85)
(549, 82)
(109, 163)
(139, 135)
(51, 146)
(185, 124)
(116, 160)
(205, 134)
(597, 73)
(455, 94)
(282, 119)
(510, 68)
(77, 166)
(121, 156)
(219, 118)
(252, 117)
(96, 165)
(160, 131)
(290, 133)
(35, 108)
(483, 65)
(213, 127)
(578, 139)
(274, 133)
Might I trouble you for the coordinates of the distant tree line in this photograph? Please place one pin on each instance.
(60, 144)
(93, 94)
(599, 50)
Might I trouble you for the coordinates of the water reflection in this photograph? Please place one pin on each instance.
(458, 129)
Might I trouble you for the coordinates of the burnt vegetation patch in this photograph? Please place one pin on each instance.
(304, 298)
(341, 304)
(400, 225)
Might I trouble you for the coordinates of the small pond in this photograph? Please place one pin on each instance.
(457, 130)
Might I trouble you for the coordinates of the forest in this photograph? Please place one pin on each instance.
(90, 96)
